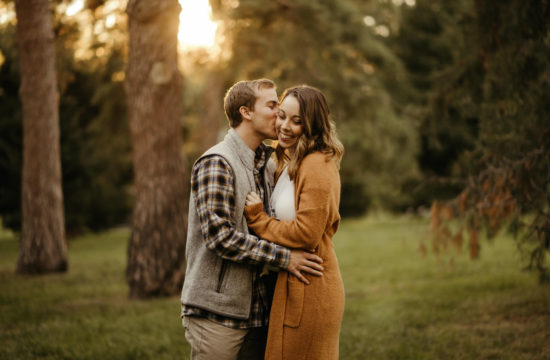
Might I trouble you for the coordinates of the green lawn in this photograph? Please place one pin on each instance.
(400, 304)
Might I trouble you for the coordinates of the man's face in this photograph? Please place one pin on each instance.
(265, 113)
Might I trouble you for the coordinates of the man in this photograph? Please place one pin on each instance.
(225, 301)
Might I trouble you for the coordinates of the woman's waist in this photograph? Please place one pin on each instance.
(325, 250)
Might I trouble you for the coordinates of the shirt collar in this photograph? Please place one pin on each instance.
(261, 156)
(251, 159)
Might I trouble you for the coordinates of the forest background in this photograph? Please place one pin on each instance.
(443, 108)
(440, 104)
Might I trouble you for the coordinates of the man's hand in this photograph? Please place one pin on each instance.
(253, 198)
(304, 261)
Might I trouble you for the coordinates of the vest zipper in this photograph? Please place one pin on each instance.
(223, 270)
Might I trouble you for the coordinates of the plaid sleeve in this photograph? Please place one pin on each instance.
(214, 195)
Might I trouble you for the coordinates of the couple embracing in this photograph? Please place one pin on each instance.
(262, 277)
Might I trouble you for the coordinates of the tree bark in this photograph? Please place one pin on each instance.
(156, 252)
(42, 247)
(213, 117)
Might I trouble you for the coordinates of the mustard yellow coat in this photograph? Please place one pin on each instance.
(305, 319)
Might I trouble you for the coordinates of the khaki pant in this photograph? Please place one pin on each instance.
(212, 341)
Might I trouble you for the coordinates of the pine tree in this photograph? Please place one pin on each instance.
(95, 140)
(503, 82)
(43, 247)
(327, 44)
(156, 250)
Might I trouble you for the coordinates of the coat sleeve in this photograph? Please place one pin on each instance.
(316, 180)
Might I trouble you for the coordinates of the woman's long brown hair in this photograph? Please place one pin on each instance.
(319, 131)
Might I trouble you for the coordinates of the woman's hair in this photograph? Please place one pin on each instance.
(318, 130)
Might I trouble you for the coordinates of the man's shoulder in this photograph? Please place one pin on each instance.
(214, 153)
(212, 161)
(221, 149)
(215, 149)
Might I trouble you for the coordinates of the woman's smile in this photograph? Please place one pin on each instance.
(285, 137)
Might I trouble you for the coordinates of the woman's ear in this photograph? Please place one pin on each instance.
(245, 112)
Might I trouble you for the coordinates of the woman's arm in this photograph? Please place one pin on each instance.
(316, 182)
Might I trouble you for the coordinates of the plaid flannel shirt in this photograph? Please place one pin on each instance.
(213, 190)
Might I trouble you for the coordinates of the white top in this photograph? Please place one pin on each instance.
(282, 198)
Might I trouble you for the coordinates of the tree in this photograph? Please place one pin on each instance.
(156, 250)
(503, 81)
(96, 153)
(42, 247)
(204, 85)
(213, 117)
(428, 44)
(326, 44)
(95, 135)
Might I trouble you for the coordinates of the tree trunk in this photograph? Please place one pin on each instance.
(42, 247)
(213, 118)
(156, 251)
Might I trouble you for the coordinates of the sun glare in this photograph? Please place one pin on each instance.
(75, 7)
(196, 27)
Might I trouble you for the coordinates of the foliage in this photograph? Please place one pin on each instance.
(428, 42)
(399, 304)
(95, 145)
(11, 130)
(503, 83)
(441, 100)
(95, 149)
(327, 44)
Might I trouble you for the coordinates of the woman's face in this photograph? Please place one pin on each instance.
(289, 123)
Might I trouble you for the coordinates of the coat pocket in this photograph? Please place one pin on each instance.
(294, 303)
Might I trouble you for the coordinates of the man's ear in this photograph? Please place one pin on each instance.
(245, 112)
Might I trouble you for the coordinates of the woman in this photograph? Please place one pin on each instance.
(305, 319)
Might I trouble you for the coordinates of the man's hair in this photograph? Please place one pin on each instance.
(243, 93)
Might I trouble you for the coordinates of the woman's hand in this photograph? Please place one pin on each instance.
(253, 199)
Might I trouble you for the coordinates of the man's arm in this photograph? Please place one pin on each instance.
(214, 195)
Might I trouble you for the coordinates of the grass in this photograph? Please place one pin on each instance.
(399, 303)
(402, 305)
(84, 314)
